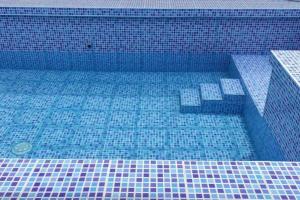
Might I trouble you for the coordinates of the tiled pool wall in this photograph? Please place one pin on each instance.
(282, 111)
(261, 136)
(122, 42)
(127, 38)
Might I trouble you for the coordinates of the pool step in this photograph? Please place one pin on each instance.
(211, 98)
(227, 97)
(190, 101)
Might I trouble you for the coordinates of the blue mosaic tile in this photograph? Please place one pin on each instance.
(50, 88)
(151, 77)
(7, 115)
(232, 90)
(21, 133)
(40, 101)
(97, 103)
(24, 87)
(221, 140)
(153, 119)
(152, 138)
(282, 105)
(68, 102)
(183, 154)
(65, 117)
(190, 101)
(57, 136)
(104, 77)
(211, 154)
(125, 103)
(80, 76)
(31, 75)
(124, 139)
(115, 153)
(9, 75)
(56, 76)
(13, 100)
(124, 119)
(159, 103)
(153, 90)
(210, 92)
(258, 66)
(254, 71)
(128, 90)
(103, 89)
(186, 139)
(4, 87)
(75, 88)
(152, 154)
(178, 78)
(93, 118)
(31, 117)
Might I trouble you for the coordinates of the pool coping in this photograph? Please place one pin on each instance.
(146, 179)
(154, 8)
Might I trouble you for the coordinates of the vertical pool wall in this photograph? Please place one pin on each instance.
(282, 110)
(140, 39)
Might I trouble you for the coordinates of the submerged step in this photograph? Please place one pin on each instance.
(211, 98)
(190, 101)
(232, 90)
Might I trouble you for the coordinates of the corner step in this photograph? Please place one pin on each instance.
(233, 95)
(232, 90)
(211, 97)
(190, 101)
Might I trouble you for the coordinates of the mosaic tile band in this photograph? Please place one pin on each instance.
(121, 179)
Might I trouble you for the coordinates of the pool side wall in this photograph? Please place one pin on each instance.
(153, 40)
(261, 136)
(282, 110)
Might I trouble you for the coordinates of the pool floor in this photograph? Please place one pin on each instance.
(122, 115)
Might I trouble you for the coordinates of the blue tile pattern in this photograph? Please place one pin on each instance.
(122, 115)
(190, 101)
(254, 71)
(125, 179)
(232, 90)
(282, 106)
(124, 43)
(154, 8)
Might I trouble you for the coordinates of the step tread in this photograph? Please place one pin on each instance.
(232, 87)
(210, 91)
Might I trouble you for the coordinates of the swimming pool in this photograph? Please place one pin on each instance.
(120, 115)
(112, 90)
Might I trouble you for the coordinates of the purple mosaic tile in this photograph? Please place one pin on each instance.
(131, 179)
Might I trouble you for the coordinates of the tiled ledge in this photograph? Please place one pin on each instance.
(153, 8)
(290, 62)
(156, 4)
(148, 179)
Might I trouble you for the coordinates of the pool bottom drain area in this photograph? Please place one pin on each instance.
(116, 115)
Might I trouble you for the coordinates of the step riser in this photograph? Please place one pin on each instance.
(222, 108)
